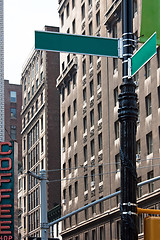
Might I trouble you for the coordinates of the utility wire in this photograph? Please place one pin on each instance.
(104, 164)
(101, 174)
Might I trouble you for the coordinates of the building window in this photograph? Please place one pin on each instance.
(159, 135)
(136, 79)
(41, 76)
(85, 182)
(29, 95)
(115, 30)
(84, 124)
(67, 10)
(69, 113)
(64, 144)
(13, 96)
(68, 60)
(139, 189)
(13, 132)
(13, 113)
(84, 67)
(148, 105)
(86, 217)
(69, 139)
(116, 129)
(115, 96)
(64, 194)
(41, 98)
(73, 4)
(89, 2)
(83, 11)
(63, 119)
(99, 79)
(93, 175)
(117, 162)
(62, 19)
(101, 233)
(90, 29)
(74, 106)
(25, 101)
(68, 88)
(100, 144)
(150, 185)
(42, 123)
(76, 189)
(158, 96)
(149, 143)
(24, 84)
(93, 210)
(100, 169)
(92, 118)
(28, 116)
(32, 89)
(147, 69)
(101, 206)
(24, 143)
(70, 165)
(75, 161)
(75, 134)
(118, 230)
(84, 95)
(91, 88)
(92, 148)
(134, 7)
(37, 105)
(91, 61)
(37, 83)
(42, 145)
(138, 147)
(74, 80)
(85, 153)
(64, 170)
(99, 111)
(118, 196)
(70, 192)
(98, 19)
(63, 94)
(115, 65)
(74, 26)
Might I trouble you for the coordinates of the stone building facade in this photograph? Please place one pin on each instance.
(90, 132)
(40, 136)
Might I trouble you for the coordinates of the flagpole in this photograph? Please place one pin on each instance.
(128, 116)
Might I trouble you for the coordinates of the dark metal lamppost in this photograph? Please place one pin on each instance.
(128, 116)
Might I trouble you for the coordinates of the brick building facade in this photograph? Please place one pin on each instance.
(13, 122)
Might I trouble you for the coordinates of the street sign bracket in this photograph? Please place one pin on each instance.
(129, 67)
(120, 48)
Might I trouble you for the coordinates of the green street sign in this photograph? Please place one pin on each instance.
(142, 56)
(79, 44)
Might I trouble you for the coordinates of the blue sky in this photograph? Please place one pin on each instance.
(21, 19)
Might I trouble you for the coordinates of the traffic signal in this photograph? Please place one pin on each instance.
(152, 228)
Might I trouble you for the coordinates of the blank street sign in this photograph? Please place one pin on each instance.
(79, 44)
